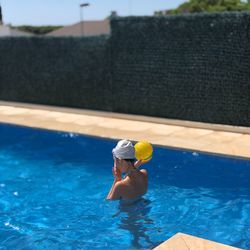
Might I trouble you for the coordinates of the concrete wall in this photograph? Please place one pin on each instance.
(4, 31)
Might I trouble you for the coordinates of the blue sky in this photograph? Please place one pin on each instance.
(63, 12)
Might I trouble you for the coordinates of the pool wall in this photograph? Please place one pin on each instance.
(187, 67)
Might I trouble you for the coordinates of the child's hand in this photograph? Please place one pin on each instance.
(117, 174)
(138, 163)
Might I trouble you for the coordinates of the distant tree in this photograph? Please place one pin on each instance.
(37, 30)
(113, 14)
(194, 6)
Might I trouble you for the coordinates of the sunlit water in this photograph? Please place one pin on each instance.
(53, 188)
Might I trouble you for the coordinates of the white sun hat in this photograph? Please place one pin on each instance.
(124, 150)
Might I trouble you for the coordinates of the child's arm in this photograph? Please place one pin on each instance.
(116, 191)
(117, 178)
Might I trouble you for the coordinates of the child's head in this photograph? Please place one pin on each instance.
(124, 155)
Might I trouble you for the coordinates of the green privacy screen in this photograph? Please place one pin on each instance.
(192, 67)
(189, 67)
(55, 71)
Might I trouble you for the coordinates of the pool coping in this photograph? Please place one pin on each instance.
(182, 241)
(225, 140)
(231, 141)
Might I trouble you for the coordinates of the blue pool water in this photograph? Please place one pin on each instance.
(53, 188)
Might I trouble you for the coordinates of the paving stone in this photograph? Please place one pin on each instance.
(182, 241)
(198, 139)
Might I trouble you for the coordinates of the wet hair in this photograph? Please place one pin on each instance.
(130, 160)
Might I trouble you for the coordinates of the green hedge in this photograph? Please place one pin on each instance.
(193, 67)
(55, 71)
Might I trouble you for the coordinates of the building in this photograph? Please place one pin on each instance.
(86, 28)
(8, 31)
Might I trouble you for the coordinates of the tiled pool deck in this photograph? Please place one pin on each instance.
(218, 139)
(187, 242)
(226, 140)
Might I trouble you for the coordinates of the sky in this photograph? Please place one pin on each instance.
(66, 12)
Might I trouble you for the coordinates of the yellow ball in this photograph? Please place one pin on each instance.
(143, 151)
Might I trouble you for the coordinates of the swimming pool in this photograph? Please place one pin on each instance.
(53, 187)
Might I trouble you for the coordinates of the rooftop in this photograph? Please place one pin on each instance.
(91, 28)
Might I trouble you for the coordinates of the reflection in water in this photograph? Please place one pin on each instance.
(135, 219)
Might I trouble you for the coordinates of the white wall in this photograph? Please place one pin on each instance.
(4, 30)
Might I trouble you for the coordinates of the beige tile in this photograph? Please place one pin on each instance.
(206, 140)
(12, 120)
(3, 108)
(227, 149)
(191, 133)
(187, 242)
(161, 129)
(110, 124)
(7, 108)
(242, 140)
(84, 122)
(67, 118)
(10, 112)
(54, 114)
(179, 142)
(38, 112)
(219, 137)
(133, 125)
(229, 134)
(174, 243)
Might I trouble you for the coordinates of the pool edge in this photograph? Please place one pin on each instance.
(211, 139)
(182, 241)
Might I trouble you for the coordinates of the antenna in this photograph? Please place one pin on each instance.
(130, 7)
